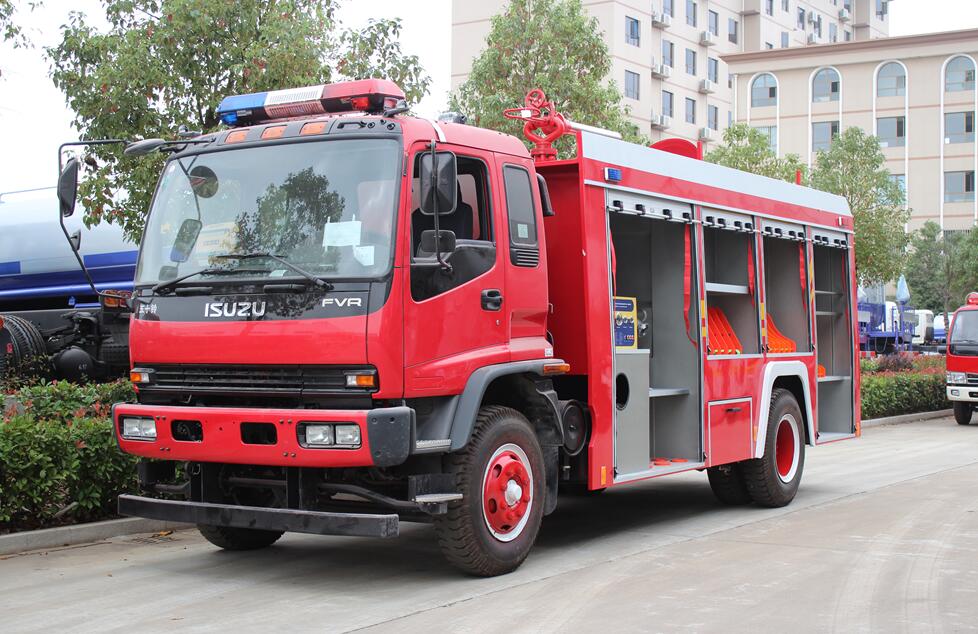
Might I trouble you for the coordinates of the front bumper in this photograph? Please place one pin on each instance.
(964, 393)
(386, 436)
(296, 521)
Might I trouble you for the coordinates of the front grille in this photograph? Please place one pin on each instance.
(285, 380)
(972, 378)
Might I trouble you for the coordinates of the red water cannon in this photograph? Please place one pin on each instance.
(542, 124)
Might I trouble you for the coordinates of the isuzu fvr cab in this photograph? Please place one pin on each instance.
(346, 317)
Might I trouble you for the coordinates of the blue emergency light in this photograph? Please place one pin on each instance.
(366, 95)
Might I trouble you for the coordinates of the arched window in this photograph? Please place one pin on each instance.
(764, 91)
(825, 86)
(891, 81)
(959, 75)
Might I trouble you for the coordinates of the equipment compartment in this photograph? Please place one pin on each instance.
(786, 295)
(833, 341)
(731, 288)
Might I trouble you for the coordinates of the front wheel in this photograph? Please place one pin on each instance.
(962, 412)
(501, 476)
(773, 479)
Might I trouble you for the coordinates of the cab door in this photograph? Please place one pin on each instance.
(455, 320)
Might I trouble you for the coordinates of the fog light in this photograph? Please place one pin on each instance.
(319, 435)
(955, 393)
(348, 435)
(138, 428)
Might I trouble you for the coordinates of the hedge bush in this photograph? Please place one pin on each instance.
(894, 393)
(59, 461)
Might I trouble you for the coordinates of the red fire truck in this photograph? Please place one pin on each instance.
(962, 360)
(346, 317)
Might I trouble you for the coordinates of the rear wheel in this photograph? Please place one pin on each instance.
(962, 412)
(728, 484)
(773, 479)
(231, 538)
(501, 475)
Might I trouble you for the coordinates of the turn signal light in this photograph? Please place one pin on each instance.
(140, 375)
(361, 380)
(316, 127)
(551, 369)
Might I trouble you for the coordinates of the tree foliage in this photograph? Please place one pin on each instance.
(552, 45)
(942, 268)
(163, 64)
(854, 167)
(747, 149)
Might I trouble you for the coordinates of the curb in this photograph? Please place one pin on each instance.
(907, 418)
(81, 534)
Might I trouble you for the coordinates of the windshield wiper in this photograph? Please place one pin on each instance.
(315, 279)
(209, 271)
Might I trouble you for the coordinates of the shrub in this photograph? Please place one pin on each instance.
(65, 401)
(894, 363)
(894, 393)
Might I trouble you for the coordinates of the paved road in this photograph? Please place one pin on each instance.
(883, 536)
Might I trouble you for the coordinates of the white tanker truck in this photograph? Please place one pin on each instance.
(53, 305)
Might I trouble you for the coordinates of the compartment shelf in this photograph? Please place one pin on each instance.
(820, 292)
(827, 313)
(659, 392)
(831, 379)
(726, 289)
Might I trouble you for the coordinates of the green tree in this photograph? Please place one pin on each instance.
(552, 45)
(10, 31)
(937, 268)
(747, 149)
(854, 167)
(164, 64)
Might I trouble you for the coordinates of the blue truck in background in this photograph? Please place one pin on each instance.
(48, 307)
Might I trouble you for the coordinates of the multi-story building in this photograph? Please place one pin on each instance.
(916, 93)
(667, 55)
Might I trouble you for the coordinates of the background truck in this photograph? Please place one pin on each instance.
(962, 360)
(346, 317)
(51, 317)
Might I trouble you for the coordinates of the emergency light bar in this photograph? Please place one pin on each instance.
(972, 299)
(367, 95)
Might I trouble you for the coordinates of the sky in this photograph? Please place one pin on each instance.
(34, 119)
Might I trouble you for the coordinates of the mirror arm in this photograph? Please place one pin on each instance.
(61, 218)
(434, 188)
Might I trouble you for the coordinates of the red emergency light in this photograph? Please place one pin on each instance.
(972, 299)
(365, 95)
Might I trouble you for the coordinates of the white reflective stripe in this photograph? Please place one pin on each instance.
(438, 130)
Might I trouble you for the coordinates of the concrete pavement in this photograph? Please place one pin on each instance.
(883, 536)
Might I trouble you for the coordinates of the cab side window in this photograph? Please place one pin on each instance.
(524, 248)
(470, 221)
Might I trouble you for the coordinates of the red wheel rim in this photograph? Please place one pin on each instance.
(785, 449)
(507, 492)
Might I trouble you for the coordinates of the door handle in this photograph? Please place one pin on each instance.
(492, 299)
(733, 410)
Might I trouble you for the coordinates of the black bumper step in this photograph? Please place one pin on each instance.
(295, 521)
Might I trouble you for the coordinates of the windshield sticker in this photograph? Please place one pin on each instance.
(522, 230)
(213, 240)
(341, 234)
(364, 255)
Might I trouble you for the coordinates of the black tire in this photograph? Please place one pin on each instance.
(728, 484)
(768, 482)
(230, 538)
(464, 534)
(962, 412)
(28, 350)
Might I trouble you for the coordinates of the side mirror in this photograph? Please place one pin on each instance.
(548, 209)
(144, 147)
(437, 175)
(185, 240)
(68, 187)
(75, 239)
(444, 244)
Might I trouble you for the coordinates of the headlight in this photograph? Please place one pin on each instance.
(319, 435)
(329, 435)
(348, 435)
(957, 377)
(138, 428)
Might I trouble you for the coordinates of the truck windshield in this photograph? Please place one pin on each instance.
(327, 207)
(964, 329)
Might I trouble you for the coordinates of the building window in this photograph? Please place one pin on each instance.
(764, 91)
(848, 36)
(714, 23)
(825, 86)
(891, 81)
(667, 49)
(901, 182)
(713, 117)
(667, 8)
(732, 30)
(690, 13)
(769, 7)
(729, 80)
(959, 187)
(713, 69)
(960, 75)
(690, 61)
(818, 26)
(801, 18)
(891, 131)
(823, 133)
(784, 5)
(833, 32)
(881, 9)
(632, 31)
(667, 100)
(959, 127)
(690, 110)
(770, 132)
(847, 5)
(631, 84)
(784, 39)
